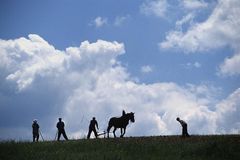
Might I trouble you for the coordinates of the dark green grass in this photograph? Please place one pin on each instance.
(140, 148)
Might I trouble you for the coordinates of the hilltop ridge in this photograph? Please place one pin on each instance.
(158, 147)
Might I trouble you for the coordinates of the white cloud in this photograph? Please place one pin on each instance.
(188, 18)
(190, 65)
(36, 57)
(230, 66)
(197, 65)
(86, 81)
(146, 69)
(194, 4)
(29, 58)
(154, 7)
(100, 21)
(228, 114)
(219, 30)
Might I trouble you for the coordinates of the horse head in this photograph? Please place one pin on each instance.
(131, 117)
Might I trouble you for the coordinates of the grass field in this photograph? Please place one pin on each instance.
(224, 147)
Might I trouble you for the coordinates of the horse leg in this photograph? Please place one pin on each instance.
(114, 132)
(108, 130)
(124, 131)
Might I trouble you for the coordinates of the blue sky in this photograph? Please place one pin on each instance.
(192, 45)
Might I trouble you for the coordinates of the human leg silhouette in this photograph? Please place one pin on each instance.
(37, 137)
(64, 135)
(59, 134)
(95, 133)
(89, 133)
(33, 138)
(184, 131)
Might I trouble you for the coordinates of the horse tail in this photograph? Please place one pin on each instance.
(109, 125)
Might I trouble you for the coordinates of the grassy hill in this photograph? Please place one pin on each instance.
(140, 148)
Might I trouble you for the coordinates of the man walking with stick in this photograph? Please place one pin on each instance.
(61, 130)
(35, 130)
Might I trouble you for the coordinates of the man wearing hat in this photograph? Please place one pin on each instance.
(35, 130)
(61, 130)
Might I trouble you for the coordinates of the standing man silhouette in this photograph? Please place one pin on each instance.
(61, 130)
(184, 127)
(92, 127)
(35, 130)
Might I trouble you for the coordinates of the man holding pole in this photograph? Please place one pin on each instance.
(61, 130)
(35, 130)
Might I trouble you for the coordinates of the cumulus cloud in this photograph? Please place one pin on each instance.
(228, 113)
(146, 69)
(219, 30)
(154, 7)
(36, 57)
(33, 57)
(85, 81)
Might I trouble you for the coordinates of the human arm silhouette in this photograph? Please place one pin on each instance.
(97, 124)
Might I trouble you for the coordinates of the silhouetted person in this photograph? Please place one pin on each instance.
(35, 130)
(123, 113)
(184, 127)
(92, 127)
(61, 130)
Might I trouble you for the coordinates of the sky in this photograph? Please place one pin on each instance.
(160, 59)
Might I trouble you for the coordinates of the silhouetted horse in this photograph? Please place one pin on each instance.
(121, 122)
